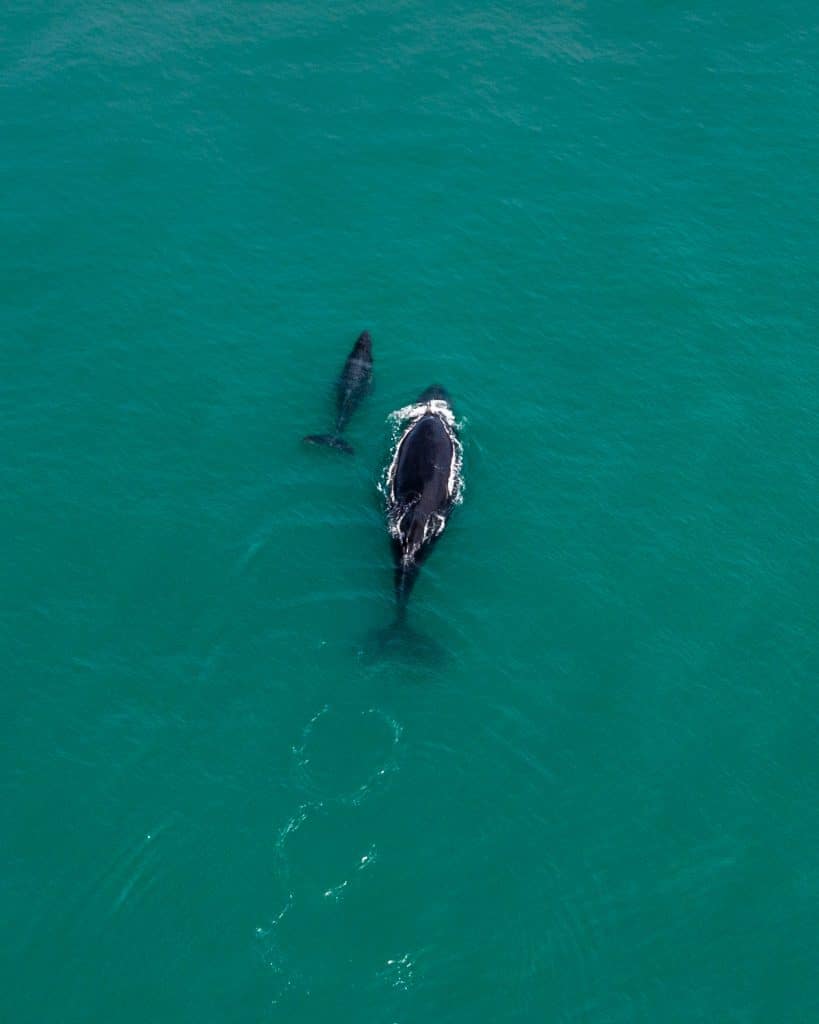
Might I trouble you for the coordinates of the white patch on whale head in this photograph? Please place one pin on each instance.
(418, 409)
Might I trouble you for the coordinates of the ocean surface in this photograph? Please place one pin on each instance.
(597, 225)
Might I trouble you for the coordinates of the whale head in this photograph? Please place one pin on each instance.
(434, 393)
(364, 344)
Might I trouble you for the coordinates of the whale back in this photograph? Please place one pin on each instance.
(423, 465)
(420, 487)
(355, 380)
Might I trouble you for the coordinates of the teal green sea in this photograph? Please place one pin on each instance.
(597, 225)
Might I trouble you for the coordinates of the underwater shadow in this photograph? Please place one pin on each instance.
(401, 643)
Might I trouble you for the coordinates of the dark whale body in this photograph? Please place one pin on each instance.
(422, 487)
(353, 384)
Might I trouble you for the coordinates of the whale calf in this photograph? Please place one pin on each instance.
(422, 485)
(353, 384)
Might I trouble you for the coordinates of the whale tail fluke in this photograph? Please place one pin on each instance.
(400, 641)
(331, 441)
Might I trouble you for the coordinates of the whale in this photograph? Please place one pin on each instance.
(353, 384)
(422, 485)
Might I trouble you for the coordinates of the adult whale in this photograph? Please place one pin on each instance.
(423, 484)
(353, 384)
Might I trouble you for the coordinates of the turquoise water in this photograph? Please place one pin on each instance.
(597, 225)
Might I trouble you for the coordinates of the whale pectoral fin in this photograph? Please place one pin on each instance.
(330, 441)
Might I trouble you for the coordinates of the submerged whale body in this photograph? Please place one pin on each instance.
(353, 384)
(423, 484)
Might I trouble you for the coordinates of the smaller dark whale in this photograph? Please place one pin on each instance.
(353, 384)
(423, 485)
